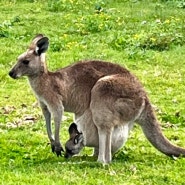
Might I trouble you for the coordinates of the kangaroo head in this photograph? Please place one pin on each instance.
(32, 62)
(75, 143)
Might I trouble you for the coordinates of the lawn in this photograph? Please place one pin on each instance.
(146, 37)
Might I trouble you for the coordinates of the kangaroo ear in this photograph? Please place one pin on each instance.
(73, 129)
(42, 45)
(37, 37)
(78, 139)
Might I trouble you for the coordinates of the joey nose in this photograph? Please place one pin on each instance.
(67, 155)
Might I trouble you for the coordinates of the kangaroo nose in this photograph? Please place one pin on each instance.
(11, 74)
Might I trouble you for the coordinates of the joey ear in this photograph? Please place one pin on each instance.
(42, 45)
(78, 139)
(73, 129)
(36, 39)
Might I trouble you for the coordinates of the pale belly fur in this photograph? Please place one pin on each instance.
(86, 126)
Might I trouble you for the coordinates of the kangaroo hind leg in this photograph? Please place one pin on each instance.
(105, 154)
(103, 120)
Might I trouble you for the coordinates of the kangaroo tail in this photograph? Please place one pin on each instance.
(153, 133)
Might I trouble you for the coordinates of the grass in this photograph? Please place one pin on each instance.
(147, 37)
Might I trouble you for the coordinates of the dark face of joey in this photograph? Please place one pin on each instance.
(75, 143)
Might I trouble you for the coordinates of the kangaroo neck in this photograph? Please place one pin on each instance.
(37, 82)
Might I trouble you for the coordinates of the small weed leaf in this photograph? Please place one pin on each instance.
(63, 5)
(5, 29)
(57, 5)
(181, 4)
(57, 45)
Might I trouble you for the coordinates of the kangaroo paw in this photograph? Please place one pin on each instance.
(53, 148)
(57, 148)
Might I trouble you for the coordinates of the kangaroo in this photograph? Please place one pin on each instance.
(99, 93)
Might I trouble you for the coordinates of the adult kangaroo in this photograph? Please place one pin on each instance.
(102, 93)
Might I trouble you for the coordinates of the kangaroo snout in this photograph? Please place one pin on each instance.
(12, 74)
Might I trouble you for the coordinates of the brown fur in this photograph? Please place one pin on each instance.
(101, 94)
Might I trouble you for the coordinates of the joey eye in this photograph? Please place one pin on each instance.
(26, 62)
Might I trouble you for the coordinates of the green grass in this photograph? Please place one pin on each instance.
(147, 37)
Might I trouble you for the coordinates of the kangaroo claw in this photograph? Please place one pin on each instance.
(53, 148)
(57, 149)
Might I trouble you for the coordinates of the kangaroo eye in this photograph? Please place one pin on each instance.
(26, 62)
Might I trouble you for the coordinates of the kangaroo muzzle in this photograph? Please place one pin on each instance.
(12, 74)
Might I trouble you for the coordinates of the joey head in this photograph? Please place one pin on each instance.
(75, 143)
(89, 137)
